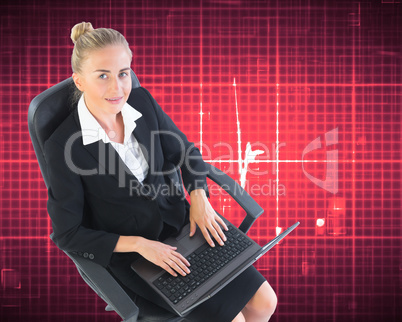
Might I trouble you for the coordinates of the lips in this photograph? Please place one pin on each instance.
(114, 100)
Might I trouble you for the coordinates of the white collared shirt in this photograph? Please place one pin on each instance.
(130, 151)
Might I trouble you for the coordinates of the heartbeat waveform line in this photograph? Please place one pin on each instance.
(299, 161)
(249, 155)
(239, 151)
(201, 114)
(277, 160)
(19, 161)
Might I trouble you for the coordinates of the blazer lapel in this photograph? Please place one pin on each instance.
(107, 159)
(143, 136)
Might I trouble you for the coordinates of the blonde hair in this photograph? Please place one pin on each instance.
(87, 39)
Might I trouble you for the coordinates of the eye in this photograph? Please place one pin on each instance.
(123, 74)
(103, 76)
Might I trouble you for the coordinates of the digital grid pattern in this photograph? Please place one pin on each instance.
(278, 75)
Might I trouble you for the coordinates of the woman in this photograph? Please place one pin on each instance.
(108, 207)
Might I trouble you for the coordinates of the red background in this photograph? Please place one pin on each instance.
(301, 68)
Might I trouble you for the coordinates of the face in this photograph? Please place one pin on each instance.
(105, 80)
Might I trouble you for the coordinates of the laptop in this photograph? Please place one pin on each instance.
(212, 268)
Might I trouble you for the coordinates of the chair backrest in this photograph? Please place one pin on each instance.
(48, 110)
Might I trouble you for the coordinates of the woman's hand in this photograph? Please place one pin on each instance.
(203, 215)
(164, 256)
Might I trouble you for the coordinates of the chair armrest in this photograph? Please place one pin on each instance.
(252, 208)
(102, 282)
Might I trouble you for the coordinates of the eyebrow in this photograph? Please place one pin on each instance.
(108, 71)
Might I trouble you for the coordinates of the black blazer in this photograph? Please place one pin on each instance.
(93, 198)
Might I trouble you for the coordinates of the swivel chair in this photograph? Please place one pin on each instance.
(46, 112)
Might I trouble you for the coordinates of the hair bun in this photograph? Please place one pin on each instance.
(79, 29)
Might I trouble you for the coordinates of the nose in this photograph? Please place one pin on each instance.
(115, 84)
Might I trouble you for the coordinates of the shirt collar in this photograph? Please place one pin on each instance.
(93, 132)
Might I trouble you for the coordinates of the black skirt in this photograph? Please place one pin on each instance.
(223, 306)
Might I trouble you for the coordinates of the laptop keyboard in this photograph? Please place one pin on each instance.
(205, 262)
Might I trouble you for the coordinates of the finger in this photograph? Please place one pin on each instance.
(174, 265)
(181, 265)
(208, 238)
(219, 231)
(168, 269)
(182, 258)
(221, 222)
(193, 227)
(214, 229)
